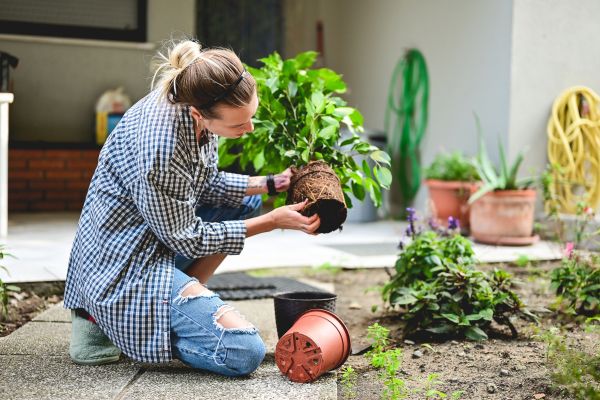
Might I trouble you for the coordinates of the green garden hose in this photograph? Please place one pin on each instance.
(406, 120)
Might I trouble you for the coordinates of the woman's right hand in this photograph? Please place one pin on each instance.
(289, 217)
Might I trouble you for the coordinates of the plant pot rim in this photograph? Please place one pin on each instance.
(287, 296)
(516, 192)
(506, 240)
(438, 183)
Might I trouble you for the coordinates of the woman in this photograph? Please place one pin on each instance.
(159, 219)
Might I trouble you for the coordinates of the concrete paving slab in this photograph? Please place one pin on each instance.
(56, 313)
(38, 339)
(175, 381)
(57, 378)
(540, 251)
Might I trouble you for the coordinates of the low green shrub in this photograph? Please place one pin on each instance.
(577, 284)
(436, 287)
(452, 167)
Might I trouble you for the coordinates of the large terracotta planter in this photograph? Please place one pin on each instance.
(317, 342)
(450, 199)
(504, 217)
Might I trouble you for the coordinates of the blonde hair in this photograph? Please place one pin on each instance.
(202, 77)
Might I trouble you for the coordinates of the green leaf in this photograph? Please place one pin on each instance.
(306, 59)
(406, 299)
(328, 132)
(327, 120)
(305, 156)
(384, 176)
(343, 111)
(318, 101)
(381, 156)
(451, 317)
(358, 190)
(292, 88)
(475, 333)
(259, 161)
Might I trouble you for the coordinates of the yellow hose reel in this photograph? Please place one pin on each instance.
(574, 147)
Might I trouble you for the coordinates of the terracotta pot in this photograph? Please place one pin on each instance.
(450, 199)
(290, 305)
(504, 217)
(317, 342)
(318, 183)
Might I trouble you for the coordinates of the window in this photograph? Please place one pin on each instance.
(122, 20)
(251, 28)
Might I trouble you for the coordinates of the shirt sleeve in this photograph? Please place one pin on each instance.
(166, 202)
(224, 188)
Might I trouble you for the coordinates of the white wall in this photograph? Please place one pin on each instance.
(466, 43)
(57, 84)
(555, 45)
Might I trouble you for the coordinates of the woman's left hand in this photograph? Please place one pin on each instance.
(282, 180)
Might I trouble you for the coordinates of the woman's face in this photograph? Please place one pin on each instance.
(233, 123)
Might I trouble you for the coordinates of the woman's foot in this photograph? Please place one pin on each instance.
(89, 345)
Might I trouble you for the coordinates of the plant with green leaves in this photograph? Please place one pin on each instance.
(437, 289)
(348, 381)
(5, 290)
(577, 284)
(299, 119)
(452, 167)
(387, 361)
(574, 371)
(431, 392)
(505, 178)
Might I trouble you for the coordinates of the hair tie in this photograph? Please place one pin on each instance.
(226, 92)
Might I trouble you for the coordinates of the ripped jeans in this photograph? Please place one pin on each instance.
(197, 337)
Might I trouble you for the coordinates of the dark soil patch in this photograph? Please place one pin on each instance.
(25, 305)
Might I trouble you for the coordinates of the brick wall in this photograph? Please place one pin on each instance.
(49, 180)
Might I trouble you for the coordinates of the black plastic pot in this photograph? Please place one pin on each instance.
(290, 305)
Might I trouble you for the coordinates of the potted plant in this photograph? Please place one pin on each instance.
(502, 210)
(298, 123)
(451, 178)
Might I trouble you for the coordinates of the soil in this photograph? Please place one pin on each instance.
(24, 305)
(500, 368)
(319, 183)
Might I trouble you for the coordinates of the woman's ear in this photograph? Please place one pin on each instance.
(196, 114)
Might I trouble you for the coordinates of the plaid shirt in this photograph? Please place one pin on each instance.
(138, 213)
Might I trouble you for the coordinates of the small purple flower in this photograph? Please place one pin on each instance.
(411, 217)
(411, 214)
(453, 223)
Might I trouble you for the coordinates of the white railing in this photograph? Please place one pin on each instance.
(5, 100)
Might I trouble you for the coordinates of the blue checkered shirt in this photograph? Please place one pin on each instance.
(138, 213)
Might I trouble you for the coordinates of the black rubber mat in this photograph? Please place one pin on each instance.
(240, 286)
(235, 281)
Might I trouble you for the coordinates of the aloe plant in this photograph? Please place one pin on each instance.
(503, 179)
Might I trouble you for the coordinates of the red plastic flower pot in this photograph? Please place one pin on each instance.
(318, 342)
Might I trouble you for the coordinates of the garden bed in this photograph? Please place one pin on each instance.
(25, 305)
(499, 368)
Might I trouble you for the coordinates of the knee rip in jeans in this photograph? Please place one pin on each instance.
(229, 319)
(192, 290)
